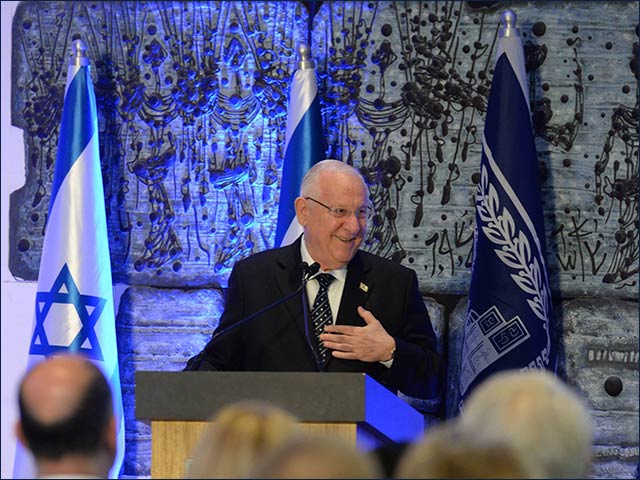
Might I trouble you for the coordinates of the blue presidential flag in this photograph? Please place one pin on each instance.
(509, 316)
(74, 310)
(304, 144)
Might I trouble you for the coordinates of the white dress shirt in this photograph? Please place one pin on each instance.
(335, 288)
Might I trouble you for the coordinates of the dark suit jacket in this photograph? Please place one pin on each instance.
(276, 341)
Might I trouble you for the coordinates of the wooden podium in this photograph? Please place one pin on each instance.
(349, 405)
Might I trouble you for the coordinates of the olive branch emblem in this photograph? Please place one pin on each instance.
(512, 246)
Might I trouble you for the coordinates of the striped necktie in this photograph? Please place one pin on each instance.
(321, 311)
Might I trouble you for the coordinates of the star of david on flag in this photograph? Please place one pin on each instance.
(304, 144)
(74, 311)
(509, 316)
(88, 309)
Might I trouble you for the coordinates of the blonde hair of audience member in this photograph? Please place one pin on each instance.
(318, 456)
(238, 435)
(540, 415)
(447, 451)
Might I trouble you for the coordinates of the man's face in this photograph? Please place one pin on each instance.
(333, 241)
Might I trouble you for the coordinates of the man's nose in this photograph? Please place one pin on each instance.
(353, 223)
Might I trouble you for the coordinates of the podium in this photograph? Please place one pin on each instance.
(349, 405)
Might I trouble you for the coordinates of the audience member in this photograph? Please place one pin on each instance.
(447, 451)
(539, 415)
(316, 456)
(66, 418)
(238, 436)
(388, 456)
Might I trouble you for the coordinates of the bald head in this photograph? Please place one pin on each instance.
(52, 390)
(66, 410)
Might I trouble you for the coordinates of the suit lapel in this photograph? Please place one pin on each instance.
(357, 288)
(287, 278)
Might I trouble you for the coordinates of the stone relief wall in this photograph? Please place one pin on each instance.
(601, 346)
(192, 100)
(406, 90)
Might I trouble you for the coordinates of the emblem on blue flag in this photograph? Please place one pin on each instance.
(508, 321)
(74, 309)
(304, 143)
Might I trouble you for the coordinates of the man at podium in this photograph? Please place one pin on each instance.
(321, 304)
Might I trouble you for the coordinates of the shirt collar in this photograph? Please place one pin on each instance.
(340, 274)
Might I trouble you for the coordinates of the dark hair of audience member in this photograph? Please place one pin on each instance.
(80, 432)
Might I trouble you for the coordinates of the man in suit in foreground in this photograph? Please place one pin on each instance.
(66, 418)
(377, 322)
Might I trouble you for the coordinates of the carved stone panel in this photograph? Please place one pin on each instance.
(192, 104)
(406, 88)
(601, 359)
(192, 100)
(158, 330)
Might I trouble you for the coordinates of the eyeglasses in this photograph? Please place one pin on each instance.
(360, 213)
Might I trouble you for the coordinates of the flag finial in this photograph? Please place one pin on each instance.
(509, 25)
(305, 62)
(79, 57)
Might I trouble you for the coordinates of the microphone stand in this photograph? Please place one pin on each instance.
(233, 326)
(307, 321)
(307, 272)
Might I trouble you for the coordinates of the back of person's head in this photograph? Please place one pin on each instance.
(318, 456)
(540, 415)
(388, 456)
(447, 451)
(237, 436)
(66, 412)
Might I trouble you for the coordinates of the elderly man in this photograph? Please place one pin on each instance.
(66, 418)
(363, 313)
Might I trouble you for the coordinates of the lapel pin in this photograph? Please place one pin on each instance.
(363, 287)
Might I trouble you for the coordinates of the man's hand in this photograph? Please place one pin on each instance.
(370, 343)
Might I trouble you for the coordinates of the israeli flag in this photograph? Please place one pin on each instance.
(74, 310)
(304, 144)
(509, 316)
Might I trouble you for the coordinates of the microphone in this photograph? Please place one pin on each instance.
(307, 272)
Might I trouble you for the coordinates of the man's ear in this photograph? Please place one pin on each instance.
(20, 434)
(301, 210)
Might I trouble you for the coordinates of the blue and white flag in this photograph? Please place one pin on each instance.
(74, 310)
(509, 316)
(304, 144)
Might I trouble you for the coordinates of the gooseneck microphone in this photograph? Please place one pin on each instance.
(307, 272)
